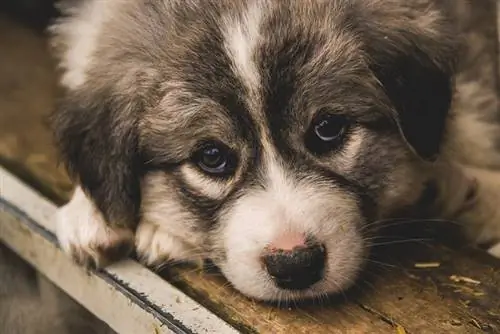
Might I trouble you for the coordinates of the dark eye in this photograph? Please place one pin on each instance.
(327, 133)
(215, 158)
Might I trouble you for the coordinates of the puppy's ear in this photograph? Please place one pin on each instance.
(412, 49)
(97, 138)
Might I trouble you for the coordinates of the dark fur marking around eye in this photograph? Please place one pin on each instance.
(279, 66)
(203, 207)
(208, 209)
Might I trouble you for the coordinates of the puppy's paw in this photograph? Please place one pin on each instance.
(495, 250)
(481, 212)
(83, 233)
(155, 247)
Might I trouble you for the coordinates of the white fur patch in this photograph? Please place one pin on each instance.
(202, 183)
(83, 233)
(80, 35)
(241, 35)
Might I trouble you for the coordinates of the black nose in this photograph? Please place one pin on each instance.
(296, 269)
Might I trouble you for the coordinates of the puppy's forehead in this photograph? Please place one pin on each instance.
(264, 67)
(273, 62)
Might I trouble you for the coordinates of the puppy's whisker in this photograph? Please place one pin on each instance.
(381, 263)
(384, 237)
(168, 263)
(331, 281)
(366, 286)
(375, 225)
(420, 240)
(183, 258)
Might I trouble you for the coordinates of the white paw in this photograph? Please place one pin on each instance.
(481, 216)
(495, 250)
(156, 247)
(83, 233)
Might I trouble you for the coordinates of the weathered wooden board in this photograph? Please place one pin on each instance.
(399, 296)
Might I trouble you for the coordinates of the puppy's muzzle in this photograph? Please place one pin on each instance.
(295, 262)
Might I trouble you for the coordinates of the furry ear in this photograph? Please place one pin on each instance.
(421, 94)
(98, 141)
(412, 49)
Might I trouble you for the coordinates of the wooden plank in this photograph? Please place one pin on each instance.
(459, 295)
(419, 300)
(343, 316)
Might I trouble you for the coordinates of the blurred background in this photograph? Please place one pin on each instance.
(30, 304)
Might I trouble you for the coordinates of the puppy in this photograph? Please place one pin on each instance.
(265, 135)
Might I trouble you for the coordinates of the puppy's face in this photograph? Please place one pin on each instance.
(263, 135)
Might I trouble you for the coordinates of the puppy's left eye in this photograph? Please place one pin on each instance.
(327, 133)
(215, 158)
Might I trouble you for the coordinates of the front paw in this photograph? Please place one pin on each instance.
(495, 250)
(156, 247)
(84, 234)
(481, 212)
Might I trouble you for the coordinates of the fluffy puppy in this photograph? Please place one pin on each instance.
(265, 135)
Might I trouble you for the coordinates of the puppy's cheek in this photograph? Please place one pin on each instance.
(249, 278)
(340, 229)
(404, 187)
(347, 251)
(168, 231)
(245, 235)
(83, 233)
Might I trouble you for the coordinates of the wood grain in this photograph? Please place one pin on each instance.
(394, 296)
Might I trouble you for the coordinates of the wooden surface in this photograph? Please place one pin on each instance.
(395, 297)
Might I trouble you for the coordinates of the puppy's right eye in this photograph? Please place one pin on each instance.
(327, 133)
(216, 159)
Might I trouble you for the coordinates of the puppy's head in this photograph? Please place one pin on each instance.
(264, 135)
